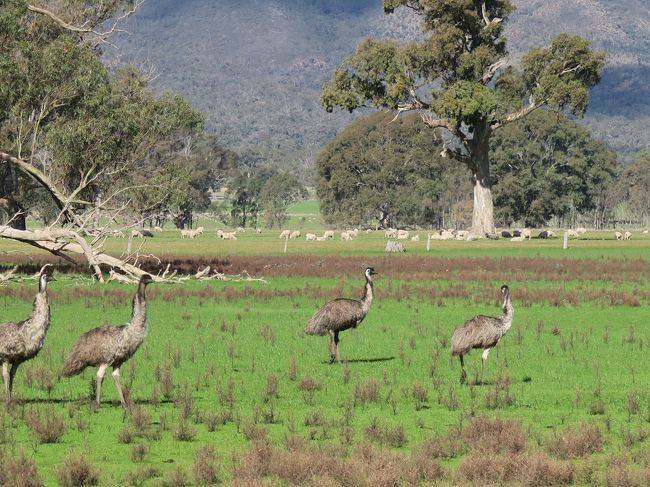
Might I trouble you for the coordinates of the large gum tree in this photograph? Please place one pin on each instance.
(458, 78)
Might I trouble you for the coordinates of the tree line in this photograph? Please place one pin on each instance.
(546, 169)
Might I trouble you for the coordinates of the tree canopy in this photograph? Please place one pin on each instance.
(378, 172)
(546, 166)
(458, 80)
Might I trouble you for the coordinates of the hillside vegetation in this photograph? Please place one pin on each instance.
(256, 68)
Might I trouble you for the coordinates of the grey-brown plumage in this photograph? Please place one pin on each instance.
(110, 346)
(22, 340)
(340, 314)
(482, 332)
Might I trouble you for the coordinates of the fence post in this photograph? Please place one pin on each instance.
(565, 244)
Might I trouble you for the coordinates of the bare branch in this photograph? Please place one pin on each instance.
(99, 36)
(491, 71)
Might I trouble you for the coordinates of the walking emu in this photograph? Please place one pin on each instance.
(482, 332)
(23, 340)
(110, 346)
(341, 314)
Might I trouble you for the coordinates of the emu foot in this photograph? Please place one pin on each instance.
(463, 377)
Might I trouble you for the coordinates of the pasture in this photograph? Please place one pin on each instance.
(228, 388)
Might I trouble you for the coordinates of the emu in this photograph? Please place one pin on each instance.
(22, 340)
(111, 346)
(340, 314)
(482, 332)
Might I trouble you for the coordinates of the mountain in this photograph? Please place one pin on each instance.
(256, 67)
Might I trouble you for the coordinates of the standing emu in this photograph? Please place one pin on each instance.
(341, 314)
(23, 340)
(482, 332)
(111, 346)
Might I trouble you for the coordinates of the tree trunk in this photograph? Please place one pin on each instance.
(483, 213)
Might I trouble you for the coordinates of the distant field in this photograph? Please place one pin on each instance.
(227, 365)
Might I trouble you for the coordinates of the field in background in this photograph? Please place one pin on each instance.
(227, 365)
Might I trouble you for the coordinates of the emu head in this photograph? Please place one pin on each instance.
(370, 272)
(46, 275)
(146, 279)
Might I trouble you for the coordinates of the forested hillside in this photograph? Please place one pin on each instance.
(256, 67)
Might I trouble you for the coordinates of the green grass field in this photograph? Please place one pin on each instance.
(226, 364)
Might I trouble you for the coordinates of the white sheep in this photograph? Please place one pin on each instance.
(321, 239)
(118, 233)
(390, 233)
(415, 238)
(520, 238)
(157, 229)
(581, 230)
(572, 233)
(285, 233)
(295, 234)
(310, 236)
(627, 236)
(346, 236)
(259, 231)
(328, 234)
(240, 230)
(198, 231)
(526, 233)
(229, 236)
(618, 235)
(136, 233)
(402, 234)
(220, 233)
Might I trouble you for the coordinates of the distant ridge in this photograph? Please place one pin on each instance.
(256, 67)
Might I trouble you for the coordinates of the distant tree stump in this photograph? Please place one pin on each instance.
(392, 246)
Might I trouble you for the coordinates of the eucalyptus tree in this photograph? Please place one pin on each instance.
(458, 79)
(79, 133)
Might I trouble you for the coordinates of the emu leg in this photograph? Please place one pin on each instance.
(330, 347)
(463, 374)
(484, 358)
(116, 378)
(5, 379)
(336, 347)
(100, 378)
(12, 374)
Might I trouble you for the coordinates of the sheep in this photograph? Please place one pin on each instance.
(136, 233)
(259, 231)
(118, 233)
(581, 230)
(572, 233)
(415, 238)
(402, 234)
(321, 239)
(329, 234)
(229, 236)
(618, 235)
(240, 230)
(520, 238)
(310, 236)
(285, 233)
(390, 233)
(157, 229)
(346, 236)
(627, 236)
(220, 233)
(198, 231)
(294, 234)
(526, 233)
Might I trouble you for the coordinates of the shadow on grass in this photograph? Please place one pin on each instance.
(362, 360)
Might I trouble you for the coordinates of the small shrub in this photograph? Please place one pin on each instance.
(206, 466)
(138, 452)
(420, 395)
(271, 390)
(578, 442)
(367, 391)
(48, 427)
(184, 431)
(495, 435)
(19, 472)
(77, 471)
(176, 478)
(308, 386)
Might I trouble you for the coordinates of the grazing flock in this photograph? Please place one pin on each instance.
(111, 346)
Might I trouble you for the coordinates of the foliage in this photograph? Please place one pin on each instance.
(92, 133)
(460, 63)
(548, 166)
(633, 188)
(386, 173)
(278, 192)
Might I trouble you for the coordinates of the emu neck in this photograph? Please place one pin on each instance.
(367, 295)
(508, 312)
(139, 317)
